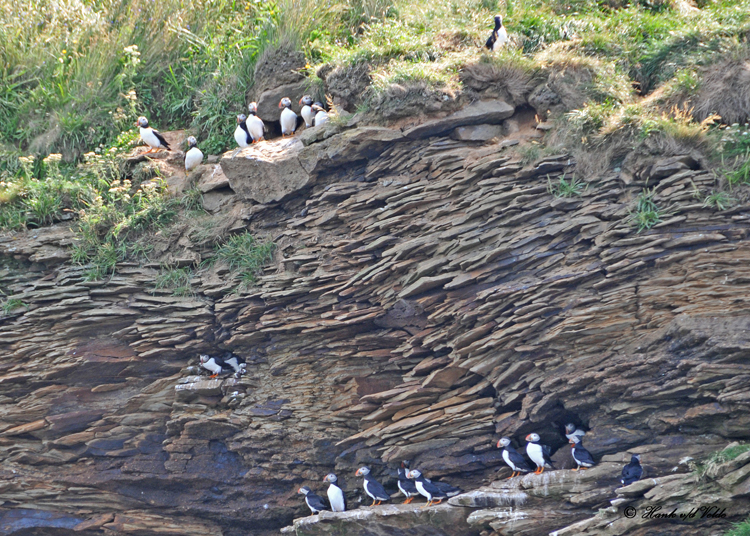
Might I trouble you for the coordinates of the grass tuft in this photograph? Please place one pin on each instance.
(565, 187)
(175, 279)
(246, 256)
(646, 213)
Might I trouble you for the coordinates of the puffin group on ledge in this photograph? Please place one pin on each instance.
(540, 455)
(410, 483)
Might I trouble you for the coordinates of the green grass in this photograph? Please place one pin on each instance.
(708, 468)
(718, 200)
(246, 256)
(565, 187)
(11, 304)
(646, 213)
(175, 279)
(739, 529)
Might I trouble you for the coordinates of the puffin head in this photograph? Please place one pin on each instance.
(498, 20)
(503, 442)
(253, 107)
(142, 122)
(285, 103)
(306, 100)
(304, 490)
(635, 458)
(362, 471)
(532, 438)
(318, 107)
(570, 428)
(330, 477)
(241, 119)
(204, 358)
(414, 473)
(405, 464)
(192, 142)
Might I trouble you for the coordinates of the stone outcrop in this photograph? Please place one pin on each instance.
(428, 295)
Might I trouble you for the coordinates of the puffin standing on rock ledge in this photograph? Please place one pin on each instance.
(151, 137)
(514, 460)
(581, 456)
(288, 118)
(255, 126)
(446, 488)
(335, 494)
(405, 485)
(373, 488)
(194, 156)
(426, 488)
(307, 112)
(632, 471)
(241, 134)
(539, 454)
(314, 502)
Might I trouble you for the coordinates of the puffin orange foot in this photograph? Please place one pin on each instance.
(576, 469)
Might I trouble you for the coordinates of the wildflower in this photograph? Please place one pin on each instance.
(52, 158)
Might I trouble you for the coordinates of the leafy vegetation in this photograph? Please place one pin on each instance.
(718, 200)
(246, 256)
(565, 187)
(646, 213)
(175, 279)
(739, 529)
(11, 304)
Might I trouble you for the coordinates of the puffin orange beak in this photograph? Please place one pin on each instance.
(498, 443)
(527, 437)
(280, 105)
(357, 473)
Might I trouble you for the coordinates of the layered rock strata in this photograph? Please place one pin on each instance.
(428, 295)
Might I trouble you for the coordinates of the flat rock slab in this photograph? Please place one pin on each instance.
(477, 132)
(388, 520)
(268, 102)
(267, 172)
(481, 112)
(212, 178)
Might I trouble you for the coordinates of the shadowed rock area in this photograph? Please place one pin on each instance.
(428, 296)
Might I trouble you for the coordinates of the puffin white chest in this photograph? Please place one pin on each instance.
(212, 365)
(308, 115)
(148, 136)
(321, 118)
(534, 450)
(240, 136)
(192, 158)
(507, 460)
(288, 121)
(423, 492)
(502, 38)
(336, 498)
(255, 127)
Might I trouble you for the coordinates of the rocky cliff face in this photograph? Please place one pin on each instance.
(429, 294)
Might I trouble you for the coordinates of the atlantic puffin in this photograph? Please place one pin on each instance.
(288, 118)
(426, 488)
(539, 454)
(307, 112)
(237, 364)
(194, 156)
(632, 471)
(514, 460)
(446, 488)
(405, 485)
(581, 456)
(498, 37)
(335, 494)
(314, 502)
(373, 488)
(152, 137)
(321, 116)
(215, 365)
(572, 430)
(254, 124)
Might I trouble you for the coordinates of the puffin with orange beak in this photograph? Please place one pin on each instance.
(514, 460)
(539, 454)
(581, 456)
(373, 488)
(405, 485)
(152, 137)
(335, 494)
(314, 502)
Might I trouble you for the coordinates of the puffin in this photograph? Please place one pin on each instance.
(288, 118)
(254, 124)
(314, 502)
(307, 112)
(581, 456)
(215, 365)
(498, 37)
(405, 485)
(321, 116)
(446, 488)
(241, 134)
(152, 137)
(239, 366)
(194, 156)
(514, 460)
(426, 488)
(539, 454)
(335, 494)
(632, 471)
(372, 487)
(572, 430)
